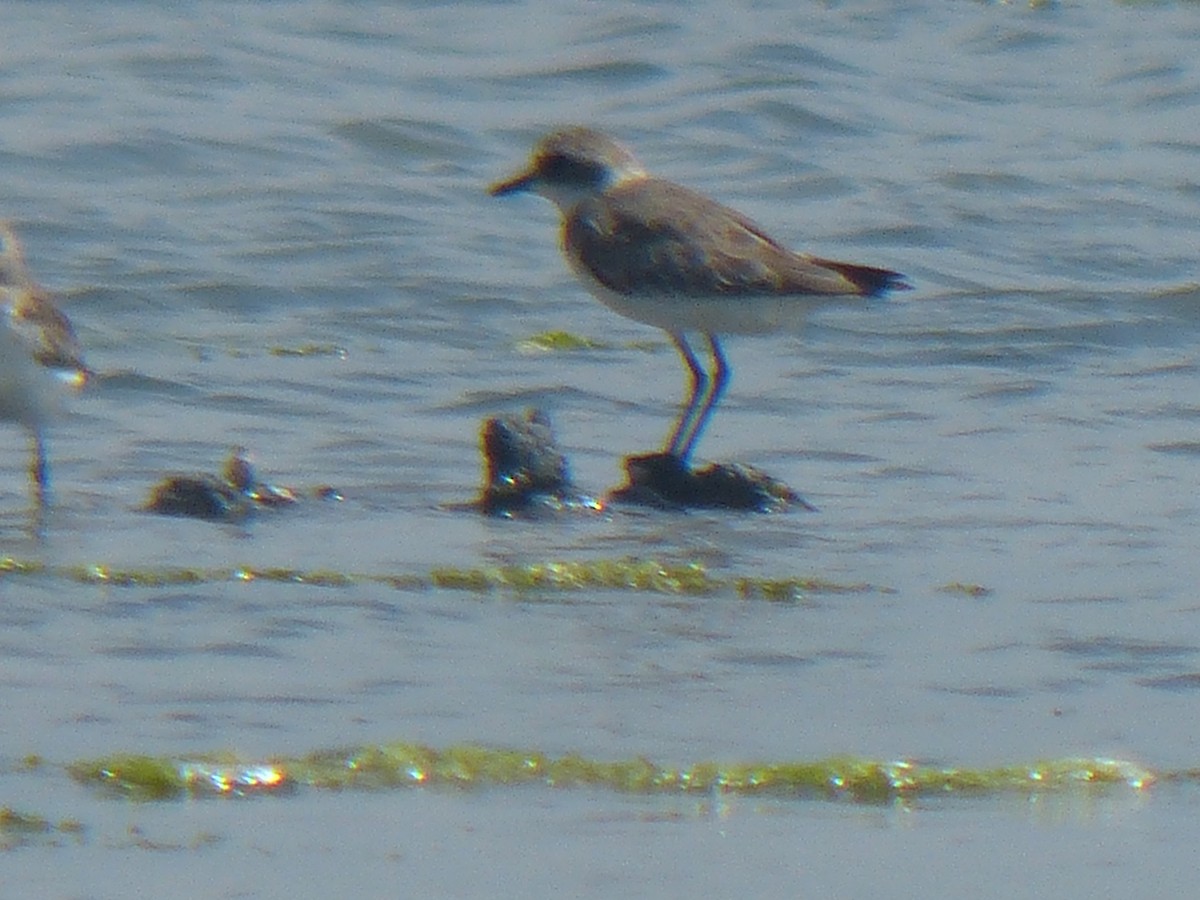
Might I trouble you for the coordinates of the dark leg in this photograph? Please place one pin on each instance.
(39, 472)
(698, 381)
(719, 381)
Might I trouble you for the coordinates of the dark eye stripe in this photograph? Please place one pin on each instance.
(570, 170)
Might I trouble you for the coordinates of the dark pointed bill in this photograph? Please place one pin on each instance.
(515, 185)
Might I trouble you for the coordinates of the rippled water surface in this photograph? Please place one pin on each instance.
(268, 223)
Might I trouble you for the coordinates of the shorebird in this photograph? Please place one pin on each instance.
(663, 254)
(38, 352)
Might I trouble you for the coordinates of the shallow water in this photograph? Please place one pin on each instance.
(269, 227)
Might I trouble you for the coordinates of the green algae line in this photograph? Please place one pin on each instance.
(639, 576)
(624, 574)
(406, 765)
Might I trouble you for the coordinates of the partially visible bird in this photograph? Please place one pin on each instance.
(38, 354)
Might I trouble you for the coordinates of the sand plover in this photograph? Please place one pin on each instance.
(665, 255)
(37, 349)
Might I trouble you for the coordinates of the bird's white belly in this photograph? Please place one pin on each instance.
(29, 393)
(744, 314)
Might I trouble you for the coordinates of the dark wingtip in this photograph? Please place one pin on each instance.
(870, 281)
(896, 282)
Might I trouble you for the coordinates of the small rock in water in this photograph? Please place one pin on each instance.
(526, 471)
(199, 497)
(233, 496)
(665, 481)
